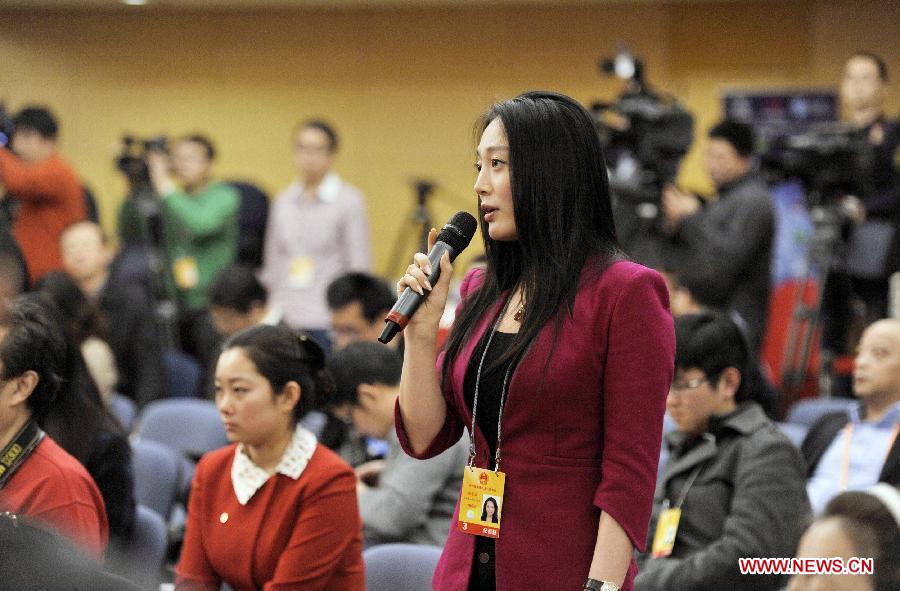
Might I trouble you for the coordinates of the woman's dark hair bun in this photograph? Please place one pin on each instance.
(311, 351)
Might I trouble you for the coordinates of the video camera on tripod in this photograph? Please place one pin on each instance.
(831, 159)
(132, 158)
(141, 226)
(132, 162)
(644, 135)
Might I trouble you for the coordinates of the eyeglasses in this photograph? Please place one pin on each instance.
(688, 385)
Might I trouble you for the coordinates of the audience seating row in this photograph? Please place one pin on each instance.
(171, 434)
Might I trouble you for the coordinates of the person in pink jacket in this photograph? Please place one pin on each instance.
(563, 351)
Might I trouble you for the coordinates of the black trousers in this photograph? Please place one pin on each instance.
(840, 293)
(199, 339)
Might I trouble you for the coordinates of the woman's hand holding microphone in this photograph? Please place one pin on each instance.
(424, 324)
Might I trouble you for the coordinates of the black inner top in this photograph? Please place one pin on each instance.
(490, 387)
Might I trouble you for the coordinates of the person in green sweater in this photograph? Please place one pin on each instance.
(199, 235)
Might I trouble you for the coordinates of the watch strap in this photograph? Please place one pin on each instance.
(595, 585)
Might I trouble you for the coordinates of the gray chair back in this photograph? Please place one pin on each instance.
(807, 411)
(189, 425)
(147, 553)
(124, 409)
(157, 475)
(400, 567)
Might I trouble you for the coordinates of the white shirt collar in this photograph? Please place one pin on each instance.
(247, 477)
(328, 189)
(891, 416)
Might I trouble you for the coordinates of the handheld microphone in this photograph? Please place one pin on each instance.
(453, 239)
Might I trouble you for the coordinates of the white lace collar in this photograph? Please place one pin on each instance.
(247, 477)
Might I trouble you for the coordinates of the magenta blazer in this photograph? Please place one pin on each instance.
(580, 436)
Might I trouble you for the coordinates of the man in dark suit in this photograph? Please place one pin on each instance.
(131, 321)
(853, 450)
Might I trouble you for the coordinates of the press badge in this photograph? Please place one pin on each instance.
(187, 274)
(666, 529)
(481, 502)
(302, 272)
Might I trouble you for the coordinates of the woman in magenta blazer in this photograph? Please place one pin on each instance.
(569, 348)
(274, 511)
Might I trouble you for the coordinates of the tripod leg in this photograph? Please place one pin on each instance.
(806, 319)
(793, 371)
(412, 237)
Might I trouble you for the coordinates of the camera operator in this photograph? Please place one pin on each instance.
(873, 250)
(726, 247)
(199, 235)
(47, 193)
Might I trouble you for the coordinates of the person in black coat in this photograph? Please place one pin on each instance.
(724, 250)
(872, 252)
(132, 331)
(81, 424)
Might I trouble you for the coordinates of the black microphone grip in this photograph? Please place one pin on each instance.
(453, 239)
(409, 301)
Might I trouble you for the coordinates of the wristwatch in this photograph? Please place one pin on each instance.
(595, 585)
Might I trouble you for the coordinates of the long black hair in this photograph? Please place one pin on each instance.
(78, 417)
(563, 215)
(83, 318)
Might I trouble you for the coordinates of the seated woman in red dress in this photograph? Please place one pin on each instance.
(274, 511)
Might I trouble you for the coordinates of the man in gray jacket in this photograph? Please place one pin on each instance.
(400, 499)
(722, 252)
(736, 482)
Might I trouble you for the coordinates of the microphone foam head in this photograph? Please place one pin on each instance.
(458, 232)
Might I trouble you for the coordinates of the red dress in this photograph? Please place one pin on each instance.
(52, 487)
(292, 534)
(580, 435)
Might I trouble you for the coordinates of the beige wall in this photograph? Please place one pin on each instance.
(403, 86)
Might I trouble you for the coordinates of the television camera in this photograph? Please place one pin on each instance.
(645, 136)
